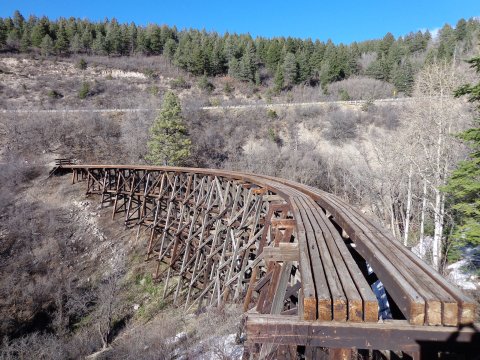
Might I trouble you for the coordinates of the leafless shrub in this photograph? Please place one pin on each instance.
(309, 111)
(343, 126)
(34, 346)
(366, 59)
(81, 343)
(108, 303)
(155, 340)
(386, 116)
(134, 136)
(305, 93)
(87, 136)
(361, 88)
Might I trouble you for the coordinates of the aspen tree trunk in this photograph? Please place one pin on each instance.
(409, 206)
(439, 179)
(422, 218)
(437, 236)
(392, 219)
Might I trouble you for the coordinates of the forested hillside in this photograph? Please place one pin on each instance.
(280, 63)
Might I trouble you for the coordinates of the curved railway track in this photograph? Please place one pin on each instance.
(307, 266)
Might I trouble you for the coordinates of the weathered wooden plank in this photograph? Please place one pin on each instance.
(369, 300)
(394, 336)
(283, 223)
(466, 314)
(339, 300)
(285, 252)
(309, 303)
(349, 272)
(406, 297)
(323, 297)
(440, 306)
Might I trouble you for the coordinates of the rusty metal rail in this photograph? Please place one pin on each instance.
(291, 253)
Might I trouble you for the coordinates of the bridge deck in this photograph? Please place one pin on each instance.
(284, 248)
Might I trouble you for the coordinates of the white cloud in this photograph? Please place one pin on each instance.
(434, 32)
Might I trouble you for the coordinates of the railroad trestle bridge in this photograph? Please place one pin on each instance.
(302, 261)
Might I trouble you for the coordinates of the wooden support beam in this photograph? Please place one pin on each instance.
(392, 335)
(283, 223)
(284, 252)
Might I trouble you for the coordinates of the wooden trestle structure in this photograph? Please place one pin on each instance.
(297, 258)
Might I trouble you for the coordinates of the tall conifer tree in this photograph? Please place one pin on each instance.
(169, 143)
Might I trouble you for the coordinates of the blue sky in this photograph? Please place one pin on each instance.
(342, 21)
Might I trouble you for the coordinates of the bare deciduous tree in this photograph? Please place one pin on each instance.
(433, 120)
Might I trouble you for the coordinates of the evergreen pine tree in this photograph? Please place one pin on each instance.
(234, 68)
(132, 35)
(98, 45)
(379, 69)
(142, 42)
(290, 70)
(25, 42)
(86, 40)
(76, 44)
(113, 38)
(385, 44)
(247, 64)
(46, 45)
(352, 62)
(39, 31)
(279, 79)
(304, 68)
(218, 60)
(403, 77)
(154, 34)
(13, 39)
(446, 46)
(18, 20)
(461, 30)
(197, 63)
(169, 143)
(183, 53)
(169, 49)
(3, 33)
(274, 55)
(125, 40)
(334, 63)
(61, 43)
(230, 48)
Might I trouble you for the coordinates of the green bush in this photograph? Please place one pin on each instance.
(149, 73)
(214, 102)
(273, 136)
(228, 88)
(368, 105)
(154, 90)
(84, 91)
(54, 94)
(344, 96)
(205, 85)
(272, 114)
(179, 83)
(82, 64)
